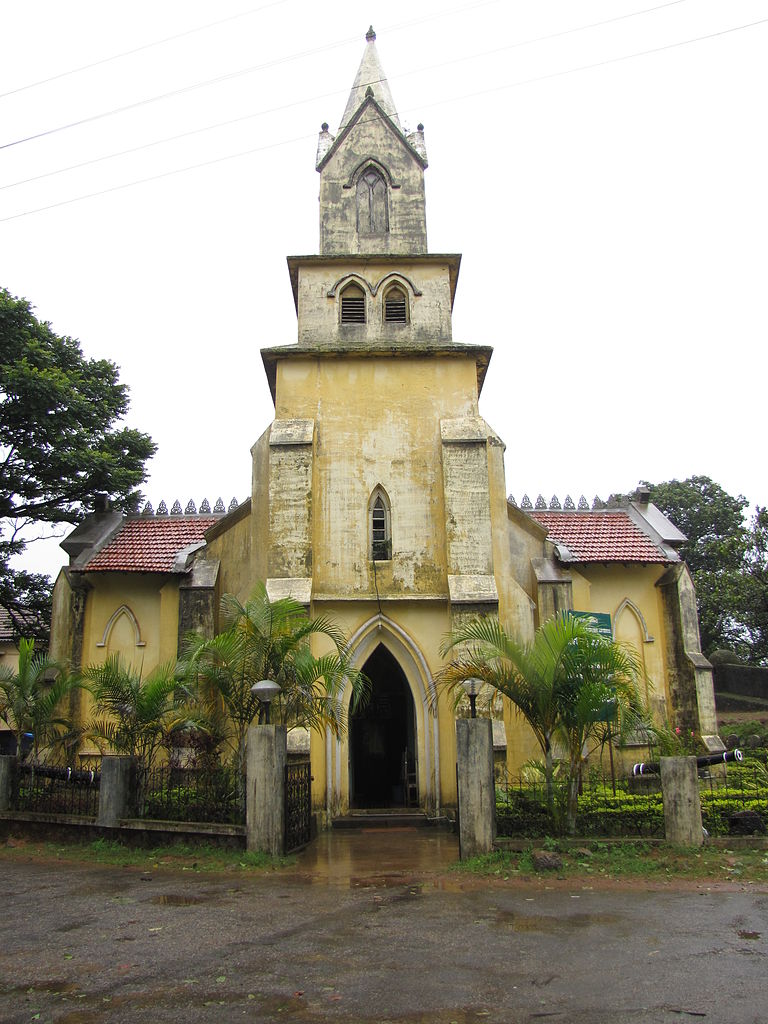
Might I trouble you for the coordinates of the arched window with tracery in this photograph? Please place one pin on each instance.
(372, 212)
(380, 526)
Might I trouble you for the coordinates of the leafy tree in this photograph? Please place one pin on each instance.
(756, 587)
(59, 444)
(566, 684)
(266, 639)
(717, 552)
(133, 715)
(32, 698)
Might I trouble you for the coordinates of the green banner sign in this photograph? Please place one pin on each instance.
(599, 621)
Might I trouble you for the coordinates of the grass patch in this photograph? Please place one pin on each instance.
(175, 856)
(659, 861)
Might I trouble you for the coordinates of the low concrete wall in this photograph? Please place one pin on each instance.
(132, 832)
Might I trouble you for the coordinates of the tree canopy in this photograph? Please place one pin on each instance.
(728, 559)
(61, 443)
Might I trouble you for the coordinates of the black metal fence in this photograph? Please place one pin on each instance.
(734, 799)
(192, 794)
(298, 805)
(524, 807)
(50, 789)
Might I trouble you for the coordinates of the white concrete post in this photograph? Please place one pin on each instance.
(682, 805)
(477, 791)
(266, 758)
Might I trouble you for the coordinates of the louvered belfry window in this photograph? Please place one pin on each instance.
(395, 307)
(353, 305)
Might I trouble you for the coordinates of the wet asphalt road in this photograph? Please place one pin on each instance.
(369, 929)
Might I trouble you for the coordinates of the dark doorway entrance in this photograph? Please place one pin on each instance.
(382, 737)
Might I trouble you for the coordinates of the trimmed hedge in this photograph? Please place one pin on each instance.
(602, 814)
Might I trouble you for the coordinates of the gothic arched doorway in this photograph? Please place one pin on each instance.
(382, 738)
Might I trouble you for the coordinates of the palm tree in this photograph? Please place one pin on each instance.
(134, 714)
(563, 684)
(266, 639)
(31, 699)
(599, 686)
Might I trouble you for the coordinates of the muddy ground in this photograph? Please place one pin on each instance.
(373, 929)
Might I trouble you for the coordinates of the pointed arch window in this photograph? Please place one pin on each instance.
(372, 207)
(380, 526)
(395, 306)
(353, 305)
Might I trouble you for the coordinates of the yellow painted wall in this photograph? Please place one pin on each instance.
(377, 422)
(154, 602)
(232, 548)
(606, 588)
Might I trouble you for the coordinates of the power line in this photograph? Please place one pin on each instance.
(272, 110)
(237, 74)
(144, 46)
(437, 103)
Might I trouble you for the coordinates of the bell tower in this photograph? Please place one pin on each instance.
(371, 498)
(372, 172)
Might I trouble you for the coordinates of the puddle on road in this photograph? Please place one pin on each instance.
(549, 924)
(748, 935)
(172, 899)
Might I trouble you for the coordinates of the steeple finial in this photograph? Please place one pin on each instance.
(370, 80)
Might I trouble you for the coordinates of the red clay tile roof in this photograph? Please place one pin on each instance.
(149, 543)
(600, 536)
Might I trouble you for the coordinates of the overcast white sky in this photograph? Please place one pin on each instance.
(610, 204)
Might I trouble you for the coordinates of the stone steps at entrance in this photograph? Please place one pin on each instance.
(385, 818)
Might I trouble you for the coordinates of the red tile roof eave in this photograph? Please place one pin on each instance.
(149, 546)
(603, 537)
(614, 561)
(136, 571)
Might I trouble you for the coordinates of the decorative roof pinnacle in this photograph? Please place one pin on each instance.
(370, 35)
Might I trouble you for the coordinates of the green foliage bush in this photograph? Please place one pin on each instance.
(626, 814)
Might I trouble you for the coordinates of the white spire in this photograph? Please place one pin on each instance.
(370, 75)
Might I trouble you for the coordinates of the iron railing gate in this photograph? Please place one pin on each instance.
(298, 805)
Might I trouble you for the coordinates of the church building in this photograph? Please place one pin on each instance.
(378, 498)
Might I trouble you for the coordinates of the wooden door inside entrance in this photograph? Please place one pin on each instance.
(382, 739)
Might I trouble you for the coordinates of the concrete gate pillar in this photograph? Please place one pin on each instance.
(118, 789)
(266, 758)
(477, 791)
(682, 805)
(7, 771)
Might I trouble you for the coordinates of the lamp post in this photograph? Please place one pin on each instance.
(265, 692)
(472, 688)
